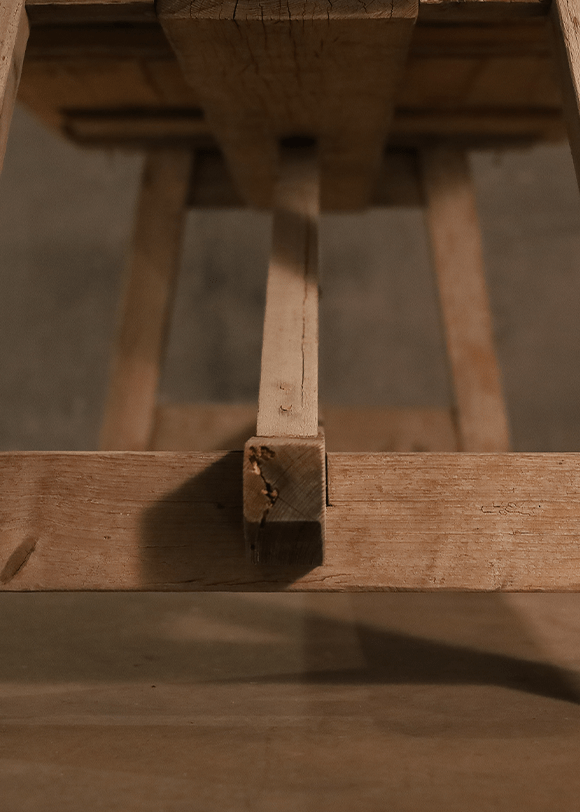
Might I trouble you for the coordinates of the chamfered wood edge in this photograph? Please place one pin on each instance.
(166, 522)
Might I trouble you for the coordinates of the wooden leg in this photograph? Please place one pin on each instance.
(457, 254)
(284, 466)
(565, 14)
(151, 275)
(14, 33)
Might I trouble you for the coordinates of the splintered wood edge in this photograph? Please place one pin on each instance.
(165, 521)
(285, 500)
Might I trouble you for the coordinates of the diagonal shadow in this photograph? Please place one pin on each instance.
(391, 657)
(115, 637)
(193, 536)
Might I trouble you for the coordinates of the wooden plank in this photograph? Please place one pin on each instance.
(349, 428)
(477, 128)
(265, 71)
(567, 47)
(522, 38)
(215, 426)
(397, 184)
(288, 401)
(75, 12)
(482, 11)
(162, 127)
(14, 31)
(155, 521)
(450, 84)
(285, 500)
(458, 261)
(151, 275)
(284, 465)
(58, 88)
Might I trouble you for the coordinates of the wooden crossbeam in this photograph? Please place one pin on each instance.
(284, 465)
(458, 260)
(13, 38)
(565, 14)
(269, 70)
(216, 426)
(288, 403)
(164, 521)
(146, 305)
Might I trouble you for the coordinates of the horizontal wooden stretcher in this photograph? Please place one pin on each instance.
(173, 521)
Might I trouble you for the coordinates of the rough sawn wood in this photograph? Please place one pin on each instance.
(164, 521)
(265, 71)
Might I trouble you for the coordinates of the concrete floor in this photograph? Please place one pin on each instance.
(284, 702)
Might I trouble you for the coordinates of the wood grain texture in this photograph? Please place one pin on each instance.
(458, 261)
(285, 500)
(265, 71)
(216, 426)
(148, 297)
(565, 17)
(288, 400)
(154, 521)
(14, 35)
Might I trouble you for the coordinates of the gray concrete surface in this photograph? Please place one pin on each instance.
(172, 703)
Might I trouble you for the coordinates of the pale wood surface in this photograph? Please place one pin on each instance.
(288, 400)
(14, 34)
(567, 47)
(148, 296)
(156, 521)
(285, 500)
(458, 259)
(265, 71)
(227, 426)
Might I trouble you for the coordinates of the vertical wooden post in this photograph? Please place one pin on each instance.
(13, 38)
(458, 260)
(151, 275)
(565, 17)
(284, 466)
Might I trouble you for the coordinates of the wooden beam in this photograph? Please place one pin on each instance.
(14, 34)
(285, 500)
(158, 521)
(86, 12)
(481, 11)
(266, 70)
(565, 15)
(288, 403)
(477, 128)
(397, 183)
(164, 128)
(458, 260)
(284, 465)
(215, 426)
(151, 276)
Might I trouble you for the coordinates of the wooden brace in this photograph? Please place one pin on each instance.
(284, 466)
